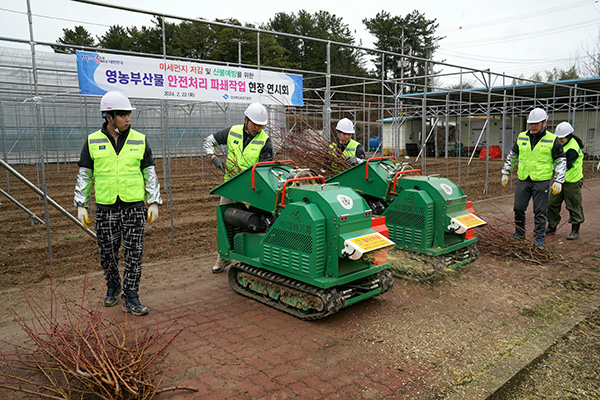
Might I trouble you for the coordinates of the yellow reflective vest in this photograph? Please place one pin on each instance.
(350, 150)
(536, 163)
(238, 157)
(575, 174)
(117, 175)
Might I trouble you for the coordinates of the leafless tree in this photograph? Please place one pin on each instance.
(590, 63)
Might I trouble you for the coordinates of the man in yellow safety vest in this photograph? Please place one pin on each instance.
(119, 161)
(348, 147)
(537, 151)
(247, 144)
(571, 193)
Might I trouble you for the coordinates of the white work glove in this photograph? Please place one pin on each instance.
(218, 163)
(152, 213)
(83, 217)
(504, 180)
(556, 188)
(352, 160)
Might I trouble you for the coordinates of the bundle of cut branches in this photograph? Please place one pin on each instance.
(74, 352)
(501, 243)
(310, 149)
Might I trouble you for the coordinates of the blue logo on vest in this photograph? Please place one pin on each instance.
(103, 147)
(236, 141)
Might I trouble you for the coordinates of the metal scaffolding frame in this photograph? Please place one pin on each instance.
(44, 85)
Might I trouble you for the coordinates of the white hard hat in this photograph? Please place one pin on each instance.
(345, 125)
(257, 113)
(564, 129)
(537, 115)
(115, 100)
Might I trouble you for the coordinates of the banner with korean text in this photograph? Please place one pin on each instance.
(151, 78)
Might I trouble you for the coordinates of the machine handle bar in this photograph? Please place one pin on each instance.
(305, 178)
(269, 163)
(404, 172)
(378, 158)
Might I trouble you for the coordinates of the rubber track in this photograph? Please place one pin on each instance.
(331, 298)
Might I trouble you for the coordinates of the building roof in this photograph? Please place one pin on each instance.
(396, 119)
(579, 94)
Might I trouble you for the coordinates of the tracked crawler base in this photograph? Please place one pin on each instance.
(303, 301)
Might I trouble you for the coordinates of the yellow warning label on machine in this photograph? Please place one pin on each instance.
(371, 242)
(470, 220)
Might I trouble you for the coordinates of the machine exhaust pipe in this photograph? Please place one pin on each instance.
(245, 220)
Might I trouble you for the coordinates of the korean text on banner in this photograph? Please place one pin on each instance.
(151, 78)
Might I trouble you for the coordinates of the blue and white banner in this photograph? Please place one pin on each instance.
(151, 78)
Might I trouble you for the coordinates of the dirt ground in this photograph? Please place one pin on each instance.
(23, 250)
(425, 334)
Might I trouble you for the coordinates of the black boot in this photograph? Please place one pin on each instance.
(574, 232)
(112, 295)
(550, 230)
(131, 303)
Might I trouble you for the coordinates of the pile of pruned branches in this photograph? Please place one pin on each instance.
(310, 149)
(497, 241)
(74, 352)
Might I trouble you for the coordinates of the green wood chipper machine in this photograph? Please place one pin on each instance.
(428, 217)
(297, 244)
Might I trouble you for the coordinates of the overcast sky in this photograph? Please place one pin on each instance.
(512, 36)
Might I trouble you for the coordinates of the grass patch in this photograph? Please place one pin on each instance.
(465, 380)
(488, 366)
